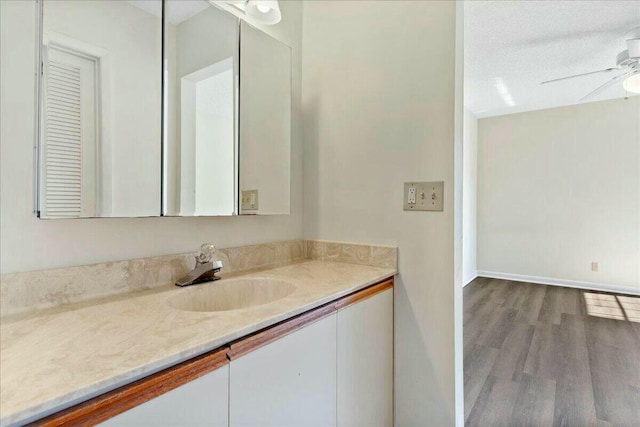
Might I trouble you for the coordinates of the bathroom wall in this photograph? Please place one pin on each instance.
(378, 108)
(559, 189)
(31, 244)
(470, 201)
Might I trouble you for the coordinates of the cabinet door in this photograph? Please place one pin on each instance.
(365, 362)
(202, 402)
(290, 382)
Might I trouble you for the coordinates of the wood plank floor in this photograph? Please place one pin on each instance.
(538, 355)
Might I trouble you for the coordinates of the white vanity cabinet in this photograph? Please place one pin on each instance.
(330, 366)
(201, 402)
(365, 362)
(288, 382)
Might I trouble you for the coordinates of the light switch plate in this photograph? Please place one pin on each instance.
(429, 196)
(249, 200)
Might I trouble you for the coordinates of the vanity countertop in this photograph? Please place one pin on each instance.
(54, 359)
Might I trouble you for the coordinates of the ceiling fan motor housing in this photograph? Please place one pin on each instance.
(625, 60)
(633, 43)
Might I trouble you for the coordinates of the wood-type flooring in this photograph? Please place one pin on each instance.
(537, 355)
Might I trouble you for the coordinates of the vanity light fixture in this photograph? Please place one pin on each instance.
(266, 12)
(632, 83)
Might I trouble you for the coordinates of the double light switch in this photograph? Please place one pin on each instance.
(423, 196)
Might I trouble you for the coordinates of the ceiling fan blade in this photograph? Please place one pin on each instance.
(599, 89)
(607, 70)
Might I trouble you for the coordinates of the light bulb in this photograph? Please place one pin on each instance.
(264, 11)
(263, 8)
(632, 83)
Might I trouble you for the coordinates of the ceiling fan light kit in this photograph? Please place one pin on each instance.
(627, 62)
(632, 83)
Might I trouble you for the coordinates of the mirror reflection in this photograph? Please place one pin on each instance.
(201, 63)
(100, 109)
(265, 123)
(127, 127)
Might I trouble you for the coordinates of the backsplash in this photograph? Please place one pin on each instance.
(28, 291)
(352, 253)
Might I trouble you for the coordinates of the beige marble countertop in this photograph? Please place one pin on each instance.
(54, 359)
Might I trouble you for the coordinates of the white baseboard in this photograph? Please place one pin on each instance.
(470, 278)
(560, 282)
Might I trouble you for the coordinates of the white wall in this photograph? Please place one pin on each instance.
(560, 188)
(215, 159)
(469, 196)
(196, 48)
(378, 107)
(28, 243)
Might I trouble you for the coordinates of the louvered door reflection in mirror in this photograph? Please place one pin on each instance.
(100, 108)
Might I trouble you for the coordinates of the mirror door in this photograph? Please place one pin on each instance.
(152, 107)
(265, 123)
(100, 109)
(201, 72)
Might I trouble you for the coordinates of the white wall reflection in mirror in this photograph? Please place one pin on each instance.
(100, 109)
(265, 123)
(201, 49)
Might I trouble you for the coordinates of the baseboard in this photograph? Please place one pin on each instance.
(469, 278)
(560, 282)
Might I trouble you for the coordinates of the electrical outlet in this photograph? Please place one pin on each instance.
(411, 197)
(594, 266)
(424, 196)
(249, 201)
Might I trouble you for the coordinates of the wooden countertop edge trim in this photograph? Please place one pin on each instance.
(364, 294)
(117, 401)
(273, 333)
(112, 403)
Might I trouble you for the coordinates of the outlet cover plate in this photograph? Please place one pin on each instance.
(429, 196)
(249, 201)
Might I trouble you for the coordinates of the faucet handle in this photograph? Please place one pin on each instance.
(207, 250)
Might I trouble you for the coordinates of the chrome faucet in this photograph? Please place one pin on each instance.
(206, 268)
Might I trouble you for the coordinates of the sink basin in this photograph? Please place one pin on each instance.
(231, 294)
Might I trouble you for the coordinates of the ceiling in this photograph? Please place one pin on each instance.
(512, 46)
(176, 11)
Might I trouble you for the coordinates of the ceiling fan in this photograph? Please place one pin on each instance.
(627, 63)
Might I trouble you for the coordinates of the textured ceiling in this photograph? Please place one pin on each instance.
(512, 46)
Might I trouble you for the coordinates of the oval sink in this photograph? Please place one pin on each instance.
(231, 294)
